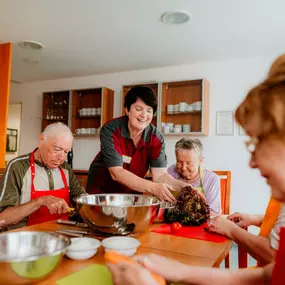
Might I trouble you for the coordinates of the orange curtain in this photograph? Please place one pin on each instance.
(5, 73)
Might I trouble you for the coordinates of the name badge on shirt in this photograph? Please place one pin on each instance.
(126, 159)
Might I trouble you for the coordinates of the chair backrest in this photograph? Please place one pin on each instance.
(225, 180)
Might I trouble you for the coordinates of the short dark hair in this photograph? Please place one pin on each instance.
(145, 93)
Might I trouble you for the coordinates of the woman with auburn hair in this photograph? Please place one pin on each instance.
(262, 115)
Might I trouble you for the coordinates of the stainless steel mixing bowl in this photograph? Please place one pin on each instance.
(27, 257)
(118, 214)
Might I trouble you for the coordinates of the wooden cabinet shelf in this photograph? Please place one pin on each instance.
(184, 113)
(181, 103)
(56, 120)
(190, 99)
(87, 99)
(88, 117)
(55, 107)
(96, 105)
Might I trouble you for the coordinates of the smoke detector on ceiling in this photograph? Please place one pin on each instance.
(32, 45)
(176, 17)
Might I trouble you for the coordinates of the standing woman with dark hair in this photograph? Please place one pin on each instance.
(129, 146)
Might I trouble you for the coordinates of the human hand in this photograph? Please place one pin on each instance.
(2, 222)
(242, 220)
(169, 269)
(221, 225)
(163, 191)
(125, 273)
(55, 205)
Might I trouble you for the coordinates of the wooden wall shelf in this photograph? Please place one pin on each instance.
(102, 98)
(189, 92)
(64, 106)
(55, 107)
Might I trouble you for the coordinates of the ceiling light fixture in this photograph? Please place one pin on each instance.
(33, 45)
(176, 17)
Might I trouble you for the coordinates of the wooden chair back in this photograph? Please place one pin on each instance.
(225, 180)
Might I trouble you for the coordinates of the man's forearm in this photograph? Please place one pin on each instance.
(167, 178)
(258, 247)
(131, 180)
(213, 276)
(15, 214)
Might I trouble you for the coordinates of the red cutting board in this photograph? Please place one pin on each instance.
(191, 232)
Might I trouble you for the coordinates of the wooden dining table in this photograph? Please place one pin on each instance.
(186, 250)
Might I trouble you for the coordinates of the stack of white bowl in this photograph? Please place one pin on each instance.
(177, 129)
(186, 128)
(197, 106)
(184, 107)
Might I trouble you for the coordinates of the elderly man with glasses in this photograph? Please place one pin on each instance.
(39, 186)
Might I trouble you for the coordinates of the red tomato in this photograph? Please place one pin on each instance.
(175, 227)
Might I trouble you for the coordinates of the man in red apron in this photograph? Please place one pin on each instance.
(38, 187)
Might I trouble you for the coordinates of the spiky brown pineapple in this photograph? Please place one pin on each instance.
(191, 209)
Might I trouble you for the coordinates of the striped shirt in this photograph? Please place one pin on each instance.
(15, 185)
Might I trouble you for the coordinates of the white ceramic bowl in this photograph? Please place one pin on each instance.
(123, 245)
(82, 248)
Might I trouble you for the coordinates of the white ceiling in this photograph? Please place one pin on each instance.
(83, 37)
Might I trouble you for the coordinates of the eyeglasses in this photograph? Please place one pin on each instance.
(252, 143)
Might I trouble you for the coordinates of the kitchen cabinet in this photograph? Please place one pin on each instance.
(81, 176)
(56, 108)
(183, 106)
(84, 111)
(91, 109)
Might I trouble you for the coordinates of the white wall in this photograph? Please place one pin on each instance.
(14, 122)
(229, 82)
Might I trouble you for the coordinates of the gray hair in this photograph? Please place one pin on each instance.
(189, 144)
(56, 129)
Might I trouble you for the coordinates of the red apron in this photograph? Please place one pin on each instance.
(278, 277)
(42, 214)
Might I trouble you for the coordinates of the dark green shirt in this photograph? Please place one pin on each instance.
(15, 186)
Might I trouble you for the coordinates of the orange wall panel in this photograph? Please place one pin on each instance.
(5, 73)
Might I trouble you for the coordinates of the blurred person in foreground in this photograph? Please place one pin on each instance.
(261, 247)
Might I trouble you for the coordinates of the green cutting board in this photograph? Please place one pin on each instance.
(92, 275)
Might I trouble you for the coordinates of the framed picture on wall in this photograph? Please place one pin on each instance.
(225, 123)
(12, 140)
